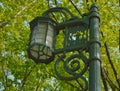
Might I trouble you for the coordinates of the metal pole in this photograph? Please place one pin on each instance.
(94, 70)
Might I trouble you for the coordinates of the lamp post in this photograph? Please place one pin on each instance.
(80, 51)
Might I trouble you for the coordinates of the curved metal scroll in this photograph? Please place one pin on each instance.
(58, 9)
(72, 66)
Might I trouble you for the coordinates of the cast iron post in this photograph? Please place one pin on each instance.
(94, 70)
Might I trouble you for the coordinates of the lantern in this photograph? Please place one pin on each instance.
(41, 46)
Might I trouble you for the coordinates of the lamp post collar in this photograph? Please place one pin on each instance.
(94, 6)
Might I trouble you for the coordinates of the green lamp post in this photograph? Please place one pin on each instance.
(80, 43)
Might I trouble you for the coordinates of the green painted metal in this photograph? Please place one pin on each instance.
(76, 34)
(62, 10)
(68, 65)
(94, 51)
(81, 35)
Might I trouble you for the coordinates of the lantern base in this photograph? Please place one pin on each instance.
(40, 53)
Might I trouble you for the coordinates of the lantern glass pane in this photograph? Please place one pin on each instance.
(49, 41)
(34, 54)
(39, 34)
(50, 30)
(34, 51)
(50, 36)
(47, 51)
(35, 48)
(43, 57)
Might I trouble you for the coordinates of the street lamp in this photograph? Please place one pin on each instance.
(41, 45)
(81, 35)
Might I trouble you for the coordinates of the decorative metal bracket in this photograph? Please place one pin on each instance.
(72, 65)
(75, 66)
(76, 34)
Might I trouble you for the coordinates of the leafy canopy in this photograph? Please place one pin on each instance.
(18, 73)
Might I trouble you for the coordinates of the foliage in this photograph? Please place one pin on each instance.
(18, 73)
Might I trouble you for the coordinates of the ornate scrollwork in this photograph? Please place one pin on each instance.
(74, 67)
(75, 36)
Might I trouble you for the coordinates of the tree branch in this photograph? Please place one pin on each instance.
(104, 79)
(38, 85)
(111, 84)
(26, 77)
(110, 61)
(75, 7)
(17, 14)
(67, 82)
(28, 5)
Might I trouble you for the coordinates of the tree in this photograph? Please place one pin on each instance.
(18, 73)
